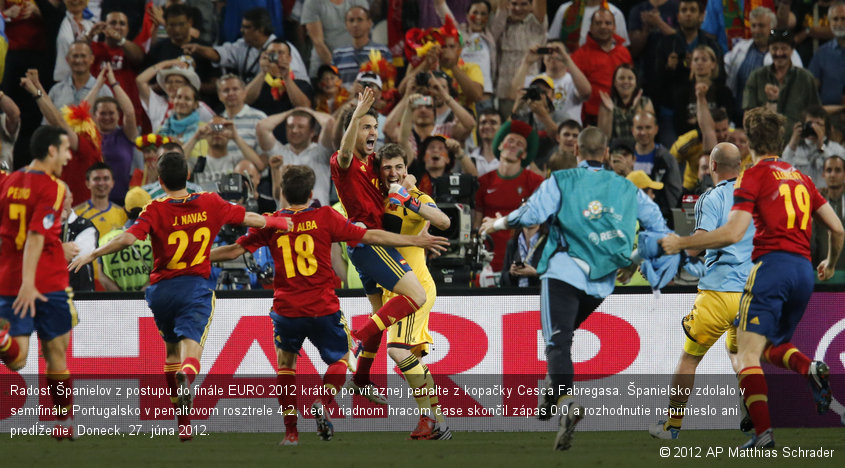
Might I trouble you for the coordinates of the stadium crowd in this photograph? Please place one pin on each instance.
(486, 98)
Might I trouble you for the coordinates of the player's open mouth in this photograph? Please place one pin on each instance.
(370, 144)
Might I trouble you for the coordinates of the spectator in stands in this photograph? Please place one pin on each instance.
(569, 89)
(10, 126)
(300, 127)
(690, 146)
(128, 272)
(522, 255)
(626, 99)
(348, 59)
(123, 55)
(243, 56)
(178, 20)
(567, 138)
(170, 75)
(747, 55)
(83, 138)
(644, 183)
(572, 21)
(795, 89)
(479, 46)
(184, 121)
(74, 27)
(828, 64)
(482, 156)
(30, 46)
(81, 235)
(648, 21)
(534, 104)
(726, 21)
(436, 158)
(503, 190)
(810, 25)
(331, 94)
(275, 89)
(809, 147)
(232, 93)
(218, 160)
(834, 193)
(704, 72)
(517, 25)
(467, 76)
(99, 209)
(118, 142)
(622, 157)
(598, 59)
(658, 163)
(674, 56)
(326, 26)
(417, 115)
(75, 86)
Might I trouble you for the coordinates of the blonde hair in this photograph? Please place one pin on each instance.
(709, 51)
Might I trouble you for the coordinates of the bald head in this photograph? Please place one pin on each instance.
(725, 160)
(592, 145)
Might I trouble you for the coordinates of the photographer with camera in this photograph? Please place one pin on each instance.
(809, 145)
(208, 168)
(275, 87)
(568, 90)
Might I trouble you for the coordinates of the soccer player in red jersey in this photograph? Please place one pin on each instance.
(304, 301)
(182, 228)
(34, 293)
(781, 201)
(355, 174)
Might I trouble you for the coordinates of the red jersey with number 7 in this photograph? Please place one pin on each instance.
(304, 281)
(782, 201)
(31, 201)
(182, 231)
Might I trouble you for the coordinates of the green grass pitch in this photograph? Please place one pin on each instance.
(466, 450)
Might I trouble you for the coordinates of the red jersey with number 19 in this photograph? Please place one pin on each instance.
(182, 231)
(304, 281)
(782, 201)
(359, 190)
(31, 201)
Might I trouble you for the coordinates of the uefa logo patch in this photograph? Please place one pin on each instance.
(594, 210)
(48, 221)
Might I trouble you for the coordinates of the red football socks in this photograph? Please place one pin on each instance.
(286, 379)
(190, 367)
(365, 360)
(333, 380)
(787, 356)
(752, 381)
(170, 369)
(61, 389)
(394, 310)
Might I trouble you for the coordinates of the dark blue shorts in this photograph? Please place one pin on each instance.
(327, 333)
(182, 308)
(378, 265)
(775, 297)
(52, 318)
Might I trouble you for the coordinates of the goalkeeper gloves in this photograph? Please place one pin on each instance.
(398, 195)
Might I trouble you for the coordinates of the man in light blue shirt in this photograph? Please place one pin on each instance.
(572, 288)
(720, 289)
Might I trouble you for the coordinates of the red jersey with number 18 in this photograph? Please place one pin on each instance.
(359, 190)
(31, 201)
(304, 281)
(182, 231)
(782, 201)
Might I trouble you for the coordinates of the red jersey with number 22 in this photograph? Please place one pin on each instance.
(182, 231)
(782, 201)
(359, 191)
(31, 201)
(304, 281)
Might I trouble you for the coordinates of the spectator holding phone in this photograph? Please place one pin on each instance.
(809, 145)
(522, 255)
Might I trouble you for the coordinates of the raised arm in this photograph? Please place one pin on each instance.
(705, 119)
(350, 135)
(32, 85)
(130, 128)
(13, 113)
(315, 32)
(143, 79)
